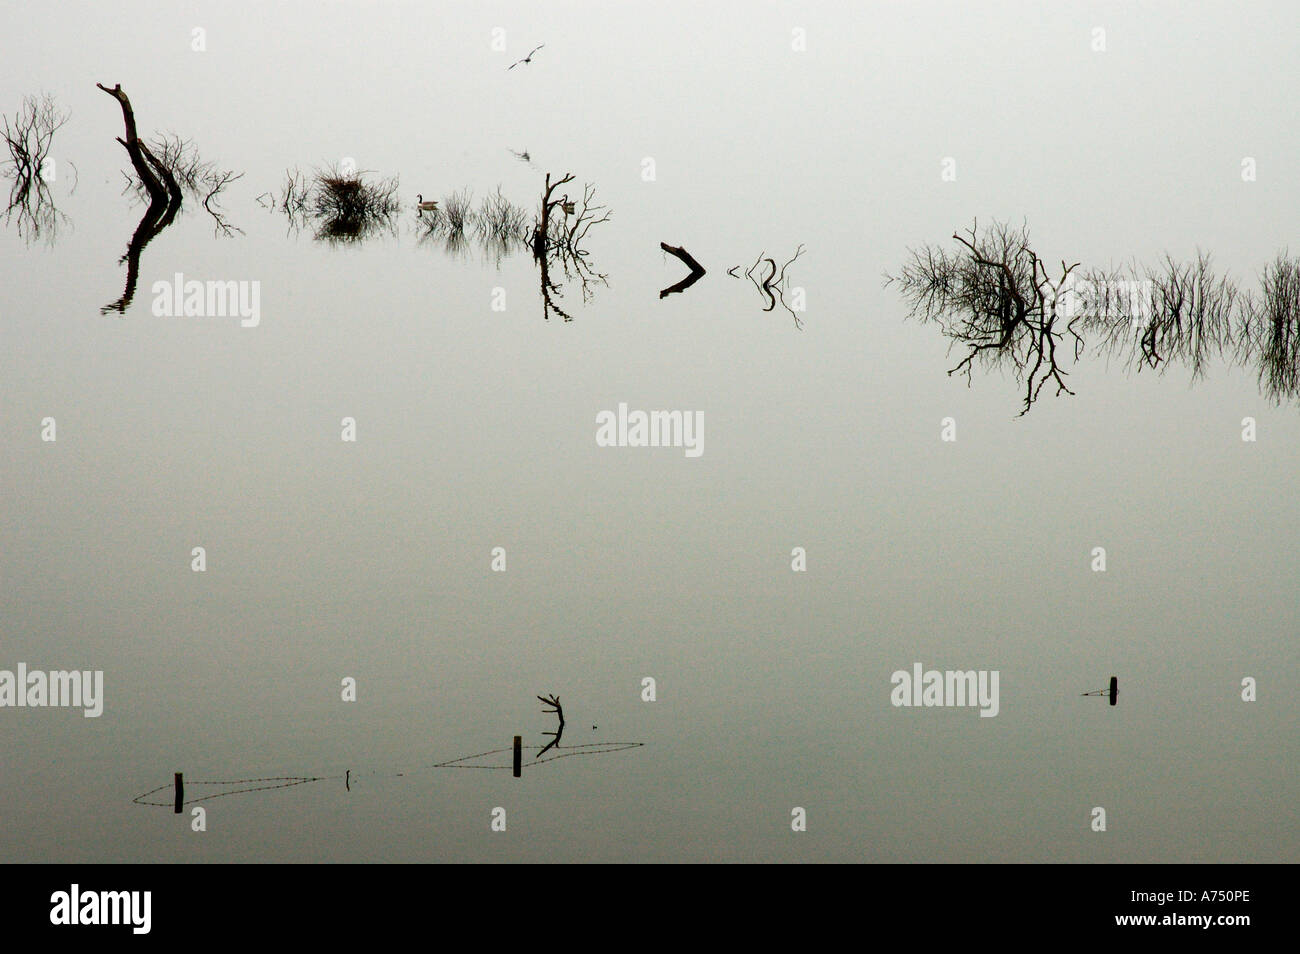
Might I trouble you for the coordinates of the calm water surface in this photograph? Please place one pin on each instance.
(476, 430)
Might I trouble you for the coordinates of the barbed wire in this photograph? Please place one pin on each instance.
(289, 781)
(589, 748)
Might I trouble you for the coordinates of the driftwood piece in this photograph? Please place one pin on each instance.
(696, 273)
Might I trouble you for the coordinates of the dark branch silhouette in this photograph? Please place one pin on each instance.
(994, 297)
(199, 178)
(164, 199)
(344, 207)
(695, 274)
(1270, 330)
(773, 286)
(28, 138)
(136, 150)
(554, 702)
(558, 237)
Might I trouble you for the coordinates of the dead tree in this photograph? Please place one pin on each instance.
(164, 198)
(199, 178)
(1269, 332)
(995, 297)
(142, 160)
(216, 185)
(28, 139)
(557, 242)
(542, 228)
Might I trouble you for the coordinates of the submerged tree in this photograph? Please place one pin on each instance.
(344, 206)
(161, 187)
(497, 225)
(292, 200)
(1152, 316)
(1270, 329)
(200, 179)
(558, 237)
(498, 219)
(349, 206)
(28, 138)
(993, 296)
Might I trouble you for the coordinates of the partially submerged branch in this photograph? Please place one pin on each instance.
(694, 275)
(773, 285)
(135, 149)
(164, 198)
(554, 702)
(201, 179)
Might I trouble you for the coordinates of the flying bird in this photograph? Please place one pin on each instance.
(526, 59)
